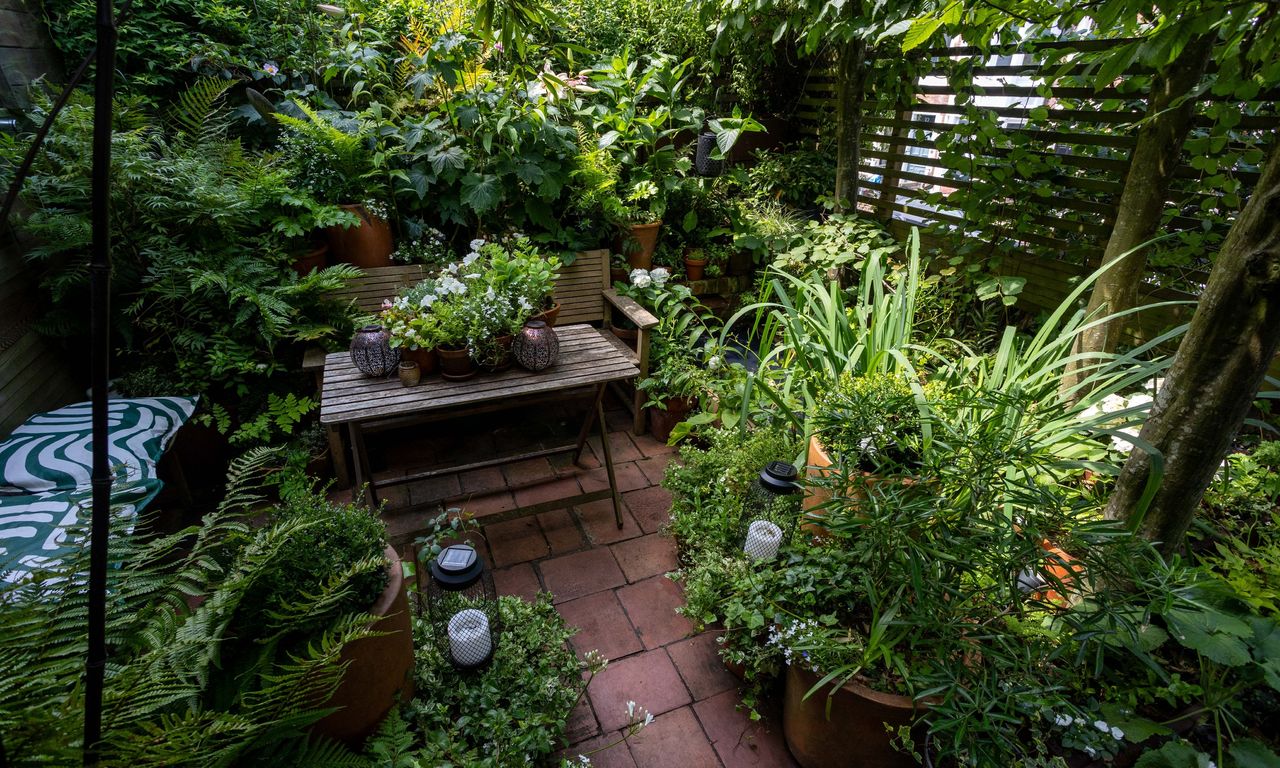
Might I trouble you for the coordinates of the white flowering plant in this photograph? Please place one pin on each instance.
(430, 248)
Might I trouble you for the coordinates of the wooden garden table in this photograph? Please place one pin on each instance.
(588, 362)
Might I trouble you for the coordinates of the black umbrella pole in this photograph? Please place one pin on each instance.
(100, 341)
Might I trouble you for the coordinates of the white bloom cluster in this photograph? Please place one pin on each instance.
(1100, 413)
(1067, 721)
(792, 634)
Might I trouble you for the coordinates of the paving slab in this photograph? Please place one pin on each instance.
(649, 679)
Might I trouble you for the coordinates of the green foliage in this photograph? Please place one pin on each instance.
(793, 175)
(513, 712)
(876, 420)
(170, 698)
(839, 242)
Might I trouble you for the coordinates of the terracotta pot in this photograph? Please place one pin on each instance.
(693, 268)
(456, 364)
(629, 335)
(380, 671)
(646, 237)
(366, 245)
(853, 735)
(505, 361)
(619, 275)
(818, 466)
(661, 422)
(427, 359)
(548, 316)
(316, 258)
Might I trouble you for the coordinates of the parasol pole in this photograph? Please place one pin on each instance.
(100, 348)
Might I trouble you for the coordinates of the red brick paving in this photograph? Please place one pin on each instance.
(610, 583)
(649, 679)
(646, 556)
(652, 605)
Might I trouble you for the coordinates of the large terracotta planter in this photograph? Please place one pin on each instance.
(646, 237)
(380, 671)
(853, 735)
(366, 245)
(661, 422)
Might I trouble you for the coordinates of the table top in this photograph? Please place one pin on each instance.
(586, 359)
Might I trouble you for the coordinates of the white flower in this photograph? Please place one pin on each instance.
(641, 281)
(1101, 725)
(1116, 733)
(427, 301)
(1123, 446)
(477, 244)
(469, 258)
(1090, 751)
(660, 276)
(713, 363)
(1062, 721)
(636, 274)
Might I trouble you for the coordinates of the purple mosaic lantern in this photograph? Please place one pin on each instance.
(536, 347)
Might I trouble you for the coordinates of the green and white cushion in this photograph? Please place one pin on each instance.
(38, 530)
(53, 451)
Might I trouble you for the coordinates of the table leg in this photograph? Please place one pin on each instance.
(360, 456)
(338, 453)
(597, 409)
(608, 460)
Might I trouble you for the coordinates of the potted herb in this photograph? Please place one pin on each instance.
(695, 260)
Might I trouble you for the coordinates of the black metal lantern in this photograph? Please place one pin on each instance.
(703, 162)
(771, 511)
(372, 353)
(462, 607)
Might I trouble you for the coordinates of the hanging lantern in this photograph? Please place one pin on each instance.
(771, 511)
(462, 607)
(372, 353)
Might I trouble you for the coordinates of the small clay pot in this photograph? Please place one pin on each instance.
(426, 359)
(646, 237)
(456, 364)
(410, 374)
(694, 268)
(548, 316)
(661, 422)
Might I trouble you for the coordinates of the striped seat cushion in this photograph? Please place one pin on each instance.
(39, 529)
(52, 451)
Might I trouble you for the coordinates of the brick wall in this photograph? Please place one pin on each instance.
(25, 51)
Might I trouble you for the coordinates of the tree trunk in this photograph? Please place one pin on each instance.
(1146, 189)
(852, 78)
(1215, 375)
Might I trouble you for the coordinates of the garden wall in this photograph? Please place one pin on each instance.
(25, 53)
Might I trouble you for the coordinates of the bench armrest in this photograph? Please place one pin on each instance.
(643, 318)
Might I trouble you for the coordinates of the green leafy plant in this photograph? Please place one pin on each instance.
(169, 698)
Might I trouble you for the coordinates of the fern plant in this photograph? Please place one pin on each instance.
(171, 620)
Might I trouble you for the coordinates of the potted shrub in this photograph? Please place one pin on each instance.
(337, 167)
(413, 327)
(695, 260)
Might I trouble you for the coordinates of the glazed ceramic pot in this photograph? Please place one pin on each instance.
(536, 347)
(372, 353)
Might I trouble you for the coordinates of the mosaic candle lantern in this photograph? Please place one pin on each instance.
(372, 353)
(462, 607)
(771, 511)
(536, 347)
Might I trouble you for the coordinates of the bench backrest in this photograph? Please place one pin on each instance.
(377, 284)
(578, 290)
(580, 287)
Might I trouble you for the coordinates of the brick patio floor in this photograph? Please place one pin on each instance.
(609, 583)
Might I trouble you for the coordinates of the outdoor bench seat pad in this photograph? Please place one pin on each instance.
(53, 451)
(39, 529)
